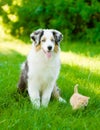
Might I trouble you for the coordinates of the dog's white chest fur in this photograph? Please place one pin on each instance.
(41, 68)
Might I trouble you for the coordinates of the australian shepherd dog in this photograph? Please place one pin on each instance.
(41, 68)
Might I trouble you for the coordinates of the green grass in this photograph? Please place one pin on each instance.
(80, 64)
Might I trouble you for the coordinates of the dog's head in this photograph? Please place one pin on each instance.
(47, 39)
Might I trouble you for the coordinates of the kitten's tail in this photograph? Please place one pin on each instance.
(76, 88)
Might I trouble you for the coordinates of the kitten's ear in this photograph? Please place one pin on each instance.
(36, 35)
(57, 35)
(88, 97)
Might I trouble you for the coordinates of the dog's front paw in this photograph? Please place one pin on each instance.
(36, 103)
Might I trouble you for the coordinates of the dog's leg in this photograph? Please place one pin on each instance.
(56, 94)
(34, 93)
(22, 85)
(46, 95)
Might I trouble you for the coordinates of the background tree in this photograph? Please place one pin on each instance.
(79, 19)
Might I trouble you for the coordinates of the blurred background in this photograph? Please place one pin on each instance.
(76, 19)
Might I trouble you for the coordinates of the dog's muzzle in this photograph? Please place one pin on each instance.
(48, 53)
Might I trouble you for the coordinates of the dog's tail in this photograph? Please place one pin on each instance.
(76, 88)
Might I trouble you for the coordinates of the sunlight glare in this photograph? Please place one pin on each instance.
(71, 59)
(68, 58)
(17, 46)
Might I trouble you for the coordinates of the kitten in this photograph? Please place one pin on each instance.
(78, 100)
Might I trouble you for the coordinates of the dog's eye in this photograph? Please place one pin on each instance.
(52, 40)
(43, 40)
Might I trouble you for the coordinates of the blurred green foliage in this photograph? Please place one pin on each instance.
(77, 19)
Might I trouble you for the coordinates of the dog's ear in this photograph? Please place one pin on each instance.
(57, 35)
(36, 36)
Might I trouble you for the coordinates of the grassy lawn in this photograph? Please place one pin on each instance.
(80, 64)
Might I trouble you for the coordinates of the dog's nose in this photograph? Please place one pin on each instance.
(49, 48)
